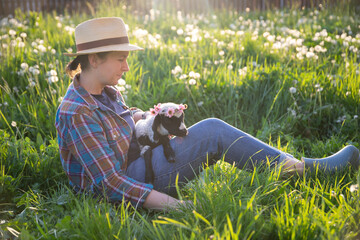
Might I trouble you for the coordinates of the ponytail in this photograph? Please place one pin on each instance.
(81, 63)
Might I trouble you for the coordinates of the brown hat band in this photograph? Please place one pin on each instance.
(102, 43)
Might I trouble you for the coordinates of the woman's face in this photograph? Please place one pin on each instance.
(112, 68)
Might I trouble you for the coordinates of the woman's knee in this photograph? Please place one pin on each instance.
(213, 123)
(208, 126)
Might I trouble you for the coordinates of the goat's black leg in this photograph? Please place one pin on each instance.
(168, 151)
(149, 172)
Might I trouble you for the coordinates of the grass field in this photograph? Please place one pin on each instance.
(290, 78)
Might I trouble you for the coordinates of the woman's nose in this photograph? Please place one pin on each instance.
(125, 66)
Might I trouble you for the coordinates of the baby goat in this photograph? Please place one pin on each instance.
(165, 119)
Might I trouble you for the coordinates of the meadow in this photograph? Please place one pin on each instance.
(291, 78)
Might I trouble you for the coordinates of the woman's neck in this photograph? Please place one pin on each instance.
(90, 83)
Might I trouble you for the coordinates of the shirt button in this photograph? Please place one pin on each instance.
(114, 135)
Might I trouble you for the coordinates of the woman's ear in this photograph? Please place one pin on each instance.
(93, 60)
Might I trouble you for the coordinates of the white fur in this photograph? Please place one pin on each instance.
(165, 107)
(144, 127)
(182, 126)
(162, 130)
(144, 149)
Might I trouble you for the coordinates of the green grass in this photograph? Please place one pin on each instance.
(245, 79)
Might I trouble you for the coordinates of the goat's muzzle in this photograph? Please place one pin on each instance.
(182, 133)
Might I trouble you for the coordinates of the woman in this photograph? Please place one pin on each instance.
(96, 129)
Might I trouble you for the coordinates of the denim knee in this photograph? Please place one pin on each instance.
(208, 128)
(213, 123)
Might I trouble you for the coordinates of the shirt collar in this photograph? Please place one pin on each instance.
(85, 95)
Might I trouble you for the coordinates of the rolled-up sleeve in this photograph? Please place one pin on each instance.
(88, 143)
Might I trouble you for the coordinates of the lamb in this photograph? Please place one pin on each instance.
(164, 120)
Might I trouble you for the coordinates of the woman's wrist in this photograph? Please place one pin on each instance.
(161, 201)
(138, 115)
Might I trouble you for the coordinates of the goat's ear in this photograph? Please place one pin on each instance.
(156, 124)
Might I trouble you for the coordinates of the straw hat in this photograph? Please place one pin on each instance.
(102, 35)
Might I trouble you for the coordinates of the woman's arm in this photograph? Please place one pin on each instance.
(89, 144)
(161, 201)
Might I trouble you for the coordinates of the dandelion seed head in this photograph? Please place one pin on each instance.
(24, 66)
(183, 76)
(36, 71)
(121, 82)
(120, 88)
(53, 79)
(292, 90)
(21, 44)
(192, 81)
(176, 70)
(180, 31)
(12, 32)
(354, 187)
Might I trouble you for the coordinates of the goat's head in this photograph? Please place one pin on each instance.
(169, 119)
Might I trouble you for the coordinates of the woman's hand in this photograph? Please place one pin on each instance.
(161, 201)
(138, 115)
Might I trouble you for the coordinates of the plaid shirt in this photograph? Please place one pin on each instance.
(93, 143)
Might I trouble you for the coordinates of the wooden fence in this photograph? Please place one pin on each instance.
(143, 6)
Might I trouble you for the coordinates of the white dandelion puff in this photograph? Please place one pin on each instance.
(24, 66)
(354, 187)
(176, 70)
(180, 31)
(121, 82)
(292, 90)
(12, 32)
(192, 81)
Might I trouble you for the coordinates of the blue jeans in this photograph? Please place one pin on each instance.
(206, 142)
